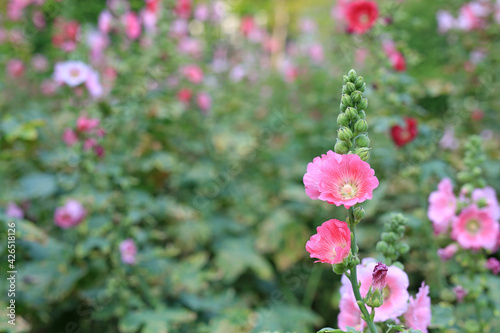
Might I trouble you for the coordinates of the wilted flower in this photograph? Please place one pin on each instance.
(418, 316)
(474, 229)
(331, 244)
(442, 206)
(128, 251)
(379, 276)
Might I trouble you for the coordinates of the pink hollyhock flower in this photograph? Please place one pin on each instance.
(449, 141)
(86, 125)
(14, 211)
(132, 25)
(379, 275)
(448, 252)
(349, 315)
(331, 244)
(183, 8)
(340, 179)
(247, 25)
(184, 95)
(89, 144)
(153, 5)
(493, 265)
(128, 251)
(395, 293)
(66, 35)
(179, 28)
(445, 20)
(418, 316)
(104, 21)
(193, 73)
(316, 53)
(204, 101)
(98, 42)
(361, 15)
(40, 63)
(471, 16)
(202, 12)
(94, 85)
(190, 46)
(442, 206)
(73, 73)
(70, 138)
(474, 229)
(38, 19)
(150, 19)
(460, 293)
(15, 68)
(489, 195)
(398, 61)
(69, 215)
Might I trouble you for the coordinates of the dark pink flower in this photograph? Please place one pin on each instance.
(460, 293)
(204, 101)
(183, 8)
(493, 265)
(361, 15)
(418, 316)
(379, 276)
(332, 243)
(85, 124)
(70, 138)
(193, 73)
(69, 215)
(132, 25)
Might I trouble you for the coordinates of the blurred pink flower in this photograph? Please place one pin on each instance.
(85, 124)
(460, 293)
(445, 21)
(15, 68)
(349, 315)
(340, 179)
(193, 73)
(191, 46)
(98, 42)
(316, 53)
(69, 137)
(418, 316)
(184, 95)
(204, 101)
(493, 264)
(66, 34)
(449, 141)
(132, 25)
(128, 251)
(183, 8)
(489, 195)
(38, 19)
(474, 229)
(471, 15)
(202, 12)
(73, 73)
(247, 25)
(48, 87)
(104, 21)
(89, 144)
(308, 26)
(14, 211)
(39, 62)
(442, 206)
(331, 244)
(69, 215)
(179, 28)
(448, 252)
(149, 19)
(398, 61)
(94, 85)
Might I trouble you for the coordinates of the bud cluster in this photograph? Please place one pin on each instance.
(390, 245)
(472, 176)
(352, 135)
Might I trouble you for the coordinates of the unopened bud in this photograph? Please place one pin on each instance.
(363, 153)
(344, 134)
(349, 88)
(342, 120)
(352, 75)
(346, 100)
(359, 82)
(343, 107)
(362, 104)
(356, 96)
(382, 246)
(345, 79)
(362, 140)
(403, 248)
(362, 88)
(361, 114)
(351, 113)
(341, 147)
(359, 213)
(361, 126)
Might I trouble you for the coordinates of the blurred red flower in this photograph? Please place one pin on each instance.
(404, 135)
(361, 15)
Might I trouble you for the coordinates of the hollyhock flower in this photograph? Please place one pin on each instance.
(132, 25)
(179, 28)
(331, 244)
(69, 215)
(94, 85)
(418, 316)
(15, 68)
(449, 141)
(98, 42)
(38, 19)
(67, 34)
(14, 211)
(149, 19)
(460, 293)
(183, 8)
(73, 73)
(395, 293)
(191, 46)
(489, 195)
(316, 53)
(104, 21)
(184, 95)
(349, 315)
(204, 101)
(379, 276)
(247, 25)
(153, 5)
(474, 229)
(193, 73)
(89, 144)
(442, 206)
(361, 15)
(445, 20)
(70, 138)
(471, 16)
(202, 12)
(493, 265)
(448, 252)
(340, 179)
(398, 61)
(402, 136)
(128, 251)
(40, 63)
(86, 125)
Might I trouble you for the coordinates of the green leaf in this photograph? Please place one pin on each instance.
(159, 321)
(36, 185)
(442, 316)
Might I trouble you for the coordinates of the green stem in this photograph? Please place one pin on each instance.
(312, 286)
(354, 275)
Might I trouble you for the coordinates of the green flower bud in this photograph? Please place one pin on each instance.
(403, 248)
(349, 88)
(362, 104)
(401, 230)
(361, 114)
(359, 213)
(359, 82)
(343, 107)
(382, 247)
(351, 113)
(344, 134)
(346, 100)
(339, 268)
(386, 237)
(361, 126)
(356, 96)
(362, 88)
(341, 147)
(352, 75)
(342, 120)
(363, 153)
(362, 140)
(481, 203)
(345, 79)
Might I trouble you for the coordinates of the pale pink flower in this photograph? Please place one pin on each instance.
(69, 137)
(395, 293)
(73, 73)
(85, 124)
(237, 73)
(360, 56)
(128, 251)
(316, 53)
(38, 19)
(89, 144)
(493, 265)
(105, 20)
(193, 73)
(460, 293)
(448, 252)
(418, 316)
(191, 46)
(15, 68)
(98, 42)
(202, 12)
(179, 28)
(471, 16)
(489, 195)
(331, 244)
(349, 315)
(340, 179)
(445, 20)
(308, 26)
(39, 62)
(474, 229)
(149, 19)
(204, 101)
(69, 215)
(49, 87)
(132, 25)
(94, 85)
(442, 206)
(449, 141)
(14, 211)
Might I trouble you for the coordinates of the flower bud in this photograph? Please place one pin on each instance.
(359, 213)
(351, 113)
(362, 88)
(342, 120)
(343, 107)
(379, 276)
(346, 100)
(403, 248)
(362, 104)
(363, 153)
(359, 82)
(345, 79)
(362, 140)
(349, 88)
(341, 147)
(361, 126)
(356, 96)
(361, 114)
(344, 134)
(352, 75)
(382, 246)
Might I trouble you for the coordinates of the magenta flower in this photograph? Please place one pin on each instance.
(193, 73)
(340, 179)
(69, 215)
(488, 194)
(132, 25)
(14, 211)
(493, 265)
(379, 276)
(331, 244)
(86, 125)
(69, 137)
(15, 68)
(474, 229)
(460, 293)
(448, 252)
(418, 316)
(442, 206)
(128, 251)
(204, 101)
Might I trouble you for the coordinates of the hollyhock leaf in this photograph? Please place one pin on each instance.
(285, 318)
(442, 316)
(36, 185)
(157, 321)
(91, 243)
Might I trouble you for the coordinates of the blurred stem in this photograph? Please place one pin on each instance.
(312, 285)
(353, 277)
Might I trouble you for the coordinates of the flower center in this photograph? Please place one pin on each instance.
(74, 72)
(348, 191)
(473, 226)
(364, 18)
